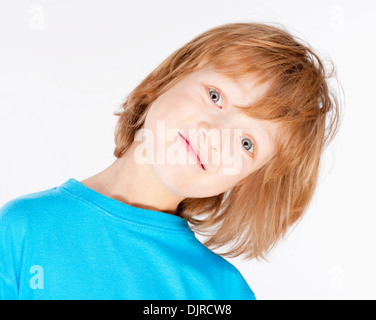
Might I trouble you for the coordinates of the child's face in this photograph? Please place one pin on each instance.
(229, 144)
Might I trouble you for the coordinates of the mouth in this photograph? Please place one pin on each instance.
(188, 145)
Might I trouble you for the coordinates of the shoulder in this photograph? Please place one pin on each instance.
(18, 212)
(232, 281)
(237, 284)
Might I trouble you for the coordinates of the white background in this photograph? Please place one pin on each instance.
(65, 67)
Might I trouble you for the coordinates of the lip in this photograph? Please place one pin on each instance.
(196, 153)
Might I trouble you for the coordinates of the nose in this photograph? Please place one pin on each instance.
(209, 142)
(209, 134)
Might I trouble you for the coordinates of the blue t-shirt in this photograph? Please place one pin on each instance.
(71, 242)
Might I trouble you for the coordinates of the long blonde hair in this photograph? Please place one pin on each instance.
(250, 218)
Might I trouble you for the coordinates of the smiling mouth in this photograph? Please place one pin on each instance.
(189, 146)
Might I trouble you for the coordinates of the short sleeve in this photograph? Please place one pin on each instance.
(243, 290)
(11, 235)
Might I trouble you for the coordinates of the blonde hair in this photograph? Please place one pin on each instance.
(250, 218)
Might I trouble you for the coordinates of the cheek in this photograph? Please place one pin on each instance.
(223, 183)
(232, 174)
(164, 109)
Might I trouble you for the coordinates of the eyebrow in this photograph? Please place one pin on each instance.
(242, 110)
(265, 132)
(237, 106)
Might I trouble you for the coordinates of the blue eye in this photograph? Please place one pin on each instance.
(247, 144)
(216, 96)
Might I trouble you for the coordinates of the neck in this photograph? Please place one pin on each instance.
(134, 184)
